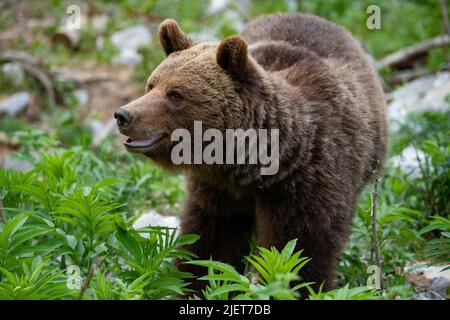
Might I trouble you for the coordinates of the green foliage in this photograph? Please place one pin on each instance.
(344, 293)
(272, 263)
(439, 248)
(33, 282)
(152, 57)
(112, 288)
(403, 23)
(406, 202)
(428, 190)
(65, 211)
(148, 259)
(275, 272)
(276, 278)
(16, 240)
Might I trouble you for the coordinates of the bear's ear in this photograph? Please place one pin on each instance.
(172, 38)
(232, 56)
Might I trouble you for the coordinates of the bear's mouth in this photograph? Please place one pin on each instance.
(135, 143)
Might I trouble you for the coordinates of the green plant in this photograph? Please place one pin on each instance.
(439, 248)
(148, 258)
(344, 293)
(16, 240)
(33, 282)
(276, 270)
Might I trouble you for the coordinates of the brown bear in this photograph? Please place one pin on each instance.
(299, 74)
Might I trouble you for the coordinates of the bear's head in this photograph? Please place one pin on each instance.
(206, 82)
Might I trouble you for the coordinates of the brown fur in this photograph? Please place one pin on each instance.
(300, 74)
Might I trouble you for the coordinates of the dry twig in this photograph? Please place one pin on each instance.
(373, 213)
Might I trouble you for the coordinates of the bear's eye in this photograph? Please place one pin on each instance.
(175, 96)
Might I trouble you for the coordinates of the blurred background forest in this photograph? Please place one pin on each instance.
(70, 195)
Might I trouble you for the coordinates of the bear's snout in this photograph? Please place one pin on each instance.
(123, 117)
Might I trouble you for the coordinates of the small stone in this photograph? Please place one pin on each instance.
(82, 96)
(432, 272)
(429, 93)
(15, 103)
(432, 281)
(14, 72)
(427, 295)
(440, 285)
(153, 218)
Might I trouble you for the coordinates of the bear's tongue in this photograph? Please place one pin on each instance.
(144, 143)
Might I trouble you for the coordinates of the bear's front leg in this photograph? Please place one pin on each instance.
(223, 223)
(285, 213)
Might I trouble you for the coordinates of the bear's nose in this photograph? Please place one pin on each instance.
(123, 117)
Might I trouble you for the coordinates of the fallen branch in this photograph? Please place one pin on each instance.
(81, 80)
(414, 51)
(30, 66)
(404, 76)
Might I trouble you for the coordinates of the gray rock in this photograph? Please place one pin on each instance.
(153, 218)
(14, 164)
(433, 280)
(128, 41)
(408, 160)
(440, 285)
(216, 6)
(15, 103)
(432, 272)
(101, 130)
(428, 93)
(132, 37)
(427, 295)
(128, 57)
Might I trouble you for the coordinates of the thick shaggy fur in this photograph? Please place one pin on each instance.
(297, 73)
